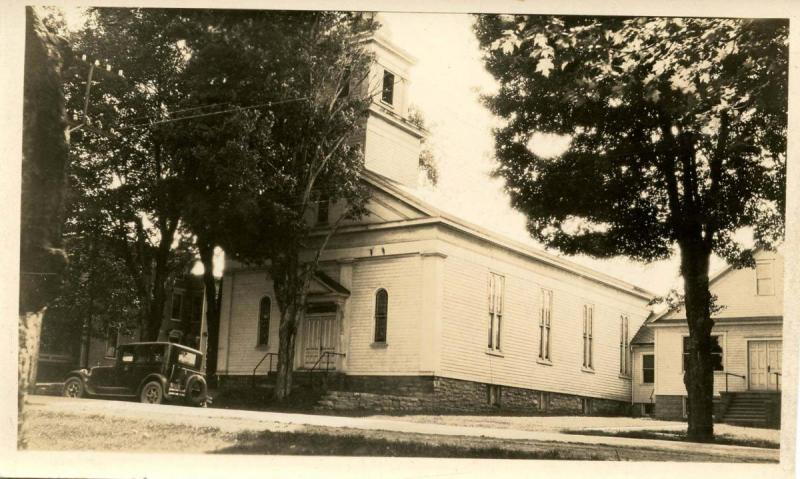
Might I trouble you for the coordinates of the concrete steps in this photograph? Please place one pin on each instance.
(749, 408)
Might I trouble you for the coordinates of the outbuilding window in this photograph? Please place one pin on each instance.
(381, 314)
(764, 282)
(716, 352)
(648, 369)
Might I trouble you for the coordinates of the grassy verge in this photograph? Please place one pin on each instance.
(318, 444)
(675, 436)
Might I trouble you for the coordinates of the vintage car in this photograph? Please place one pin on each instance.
(153, 372)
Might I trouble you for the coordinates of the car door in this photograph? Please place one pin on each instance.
(105, 380)
(147, 359)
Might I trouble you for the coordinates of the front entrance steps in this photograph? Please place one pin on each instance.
(751, 408)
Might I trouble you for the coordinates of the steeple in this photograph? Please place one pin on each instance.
(392, 144)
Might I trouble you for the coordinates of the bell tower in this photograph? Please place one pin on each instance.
(392, 144)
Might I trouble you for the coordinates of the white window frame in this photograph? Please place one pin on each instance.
(496, 306)
(771, 278)
(545, 326)
(588, 337)
(624, 346)
(395, 76)
(722, 343)
(265, 344)
(653, 368)
(179, 294)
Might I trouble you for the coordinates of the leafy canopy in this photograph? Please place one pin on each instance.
(677, 126)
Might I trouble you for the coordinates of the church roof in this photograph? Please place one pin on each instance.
(407, 195)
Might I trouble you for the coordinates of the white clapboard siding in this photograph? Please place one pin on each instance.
(736, 291)
(642, 393)
(401, 277)
(391, 151)
(465, 324)
(669, 350)
(241, 297)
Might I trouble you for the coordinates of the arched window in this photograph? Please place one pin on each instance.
(381, 307)
(263, 321)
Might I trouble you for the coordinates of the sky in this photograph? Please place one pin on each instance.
(446, 84)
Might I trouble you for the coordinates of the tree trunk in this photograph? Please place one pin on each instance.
(699, 374)
(212, 307)
(155, 314)
(286, 350)
(44, 182)
(30, 326)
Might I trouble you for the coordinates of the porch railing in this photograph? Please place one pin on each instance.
(732, 374)
(269, 367)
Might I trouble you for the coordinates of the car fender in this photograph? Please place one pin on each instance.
(83, 375)
(155, 377)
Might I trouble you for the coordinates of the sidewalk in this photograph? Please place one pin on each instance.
(239, 420)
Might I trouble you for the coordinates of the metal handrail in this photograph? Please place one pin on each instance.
(732, 374)
(326, 355)
(777, 378)
(269, 368)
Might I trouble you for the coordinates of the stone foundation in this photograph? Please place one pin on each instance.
(437, 394)
(671, 408)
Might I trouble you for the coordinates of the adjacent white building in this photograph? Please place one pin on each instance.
(748, 347)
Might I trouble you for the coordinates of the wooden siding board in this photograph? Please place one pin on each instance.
(465, 323)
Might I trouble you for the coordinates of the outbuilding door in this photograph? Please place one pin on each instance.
(764, 358)
(321, 333)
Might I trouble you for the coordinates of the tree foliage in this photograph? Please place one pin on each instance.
(678, 137)
(125, 172)
(305, 75)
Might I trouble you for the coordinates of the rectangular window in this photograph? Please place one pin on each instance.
(323, 208)
(177, 306)
(545, 316)
(716, 352)
(197, 309)
(344, 88)
(586, 405)
(764, 283)
(544, 400)
(112, 338)
(496, 285)
(624, 347)
(388, 87)
(493, 393)
(648, 369)
(588, 319)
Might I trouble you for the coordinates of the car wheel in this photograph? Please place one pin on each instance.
(73, 388)
(152, 393)
(196, 391)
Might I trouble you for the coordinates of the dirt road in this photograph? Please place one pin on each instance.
(90, 424)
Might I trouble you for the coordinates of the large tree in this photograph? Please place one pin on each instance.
(44, 165)
(121, 147)
(298, 84)
(678, 137)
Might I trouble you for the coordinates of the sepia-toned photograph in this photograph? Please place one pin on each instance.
(340, 233)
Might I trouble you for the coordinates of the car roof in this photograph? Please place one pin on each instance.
(161, 343)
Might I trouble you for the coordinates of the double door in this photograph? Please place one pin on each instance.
(321, 333)
(764, 359)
